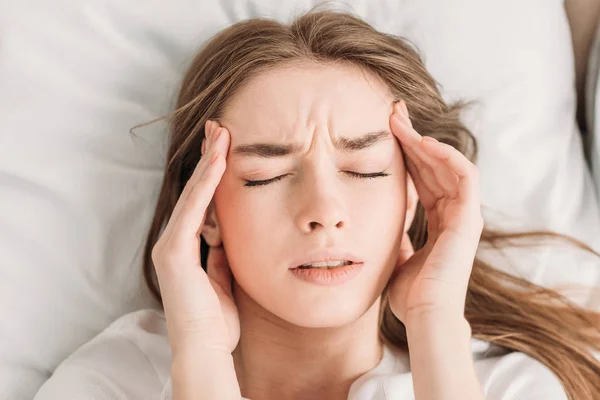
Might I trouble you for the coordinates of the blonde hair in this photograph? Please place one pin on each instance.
(501, 308)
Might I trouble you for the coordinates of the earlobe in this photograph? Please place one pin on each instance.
(211, 231)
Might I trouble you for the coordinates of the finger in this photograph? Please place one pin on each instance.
(190, 209)
(198, 171)
(212, 129)
(426, 197)
(446, 178)
(422, 174)
(435, 174)
(465, 170)
(218, 142)
(217, 267)
(192, 212)
(401, 109)
(428, 176)
(409, 138)
(411, 142)
(207, 152)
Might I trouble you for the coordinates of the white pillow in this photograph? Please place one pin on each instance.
(592, 110)
(78, 192)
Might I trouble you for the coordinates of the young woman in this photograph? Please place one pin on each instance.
(319, 179)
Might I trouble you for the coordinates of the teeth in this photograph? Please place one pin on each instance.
(326, 264)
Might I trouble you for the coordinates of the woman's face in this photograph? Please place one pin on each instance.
(317, 203)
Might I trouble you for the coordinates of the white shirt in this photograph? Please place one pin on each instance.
(131, 360)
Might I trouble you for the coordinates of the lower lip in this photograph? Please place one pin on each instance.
(328, 277)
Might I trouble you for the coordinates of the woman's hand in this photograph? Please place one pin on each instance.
(435, 279)
(199, 308)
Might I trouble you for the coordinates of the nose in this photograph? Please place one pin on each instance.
(320, 202)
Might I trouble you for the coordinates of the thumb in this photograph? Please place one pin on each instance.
(217, 269)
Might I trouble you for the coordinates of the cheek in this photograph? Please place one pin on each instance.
(258, 224)
(391, 200)
(259, 232)
(240, 210)
(244, 223)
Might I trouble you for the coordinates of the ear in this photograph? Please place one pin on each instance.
(211, 230)
(412, 200)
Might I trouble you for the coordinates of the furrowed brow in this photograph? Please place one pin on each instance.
(343, 144)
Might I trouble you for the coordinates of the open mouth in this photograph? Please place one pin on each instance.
(325, 265)
(328, 273)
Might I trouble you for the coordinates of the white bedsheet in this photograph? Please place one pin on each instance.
(77, 191)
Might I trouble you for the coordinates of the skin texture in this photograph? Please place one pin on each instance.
(316, 205)
(248, 325)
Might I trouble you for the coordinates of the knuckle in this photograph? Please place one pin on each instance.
(163, 256)
(157, 252)
(449, 148)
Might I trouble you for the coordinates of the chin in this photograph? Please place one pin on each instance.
(329, 313)
(315, 307)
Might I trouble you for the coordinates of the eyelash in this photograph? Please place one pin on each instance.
(354, 175)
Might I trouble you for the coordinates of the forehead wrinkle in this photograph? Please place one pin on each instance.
(343, 144)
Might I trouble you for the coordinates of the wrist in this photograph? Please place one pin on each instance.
(443, 328)
(204, 373)
(433, 318)
(441, 357)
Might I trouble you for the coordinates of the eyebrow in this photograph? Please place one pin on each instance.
(344, 144)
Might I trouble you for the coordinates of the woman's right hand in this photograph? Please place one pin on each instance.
(200, 311)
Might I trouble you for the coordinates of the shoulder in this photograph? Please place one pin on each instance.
(503, 375)
(130, 359)
(518, 376)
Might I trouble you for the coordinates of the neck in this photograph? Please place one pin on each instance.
(277, 360)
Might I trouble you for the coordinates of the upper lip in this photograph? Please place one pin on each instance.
(320, 255)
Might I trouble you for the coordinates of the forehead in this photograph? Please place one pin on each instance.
(288, 102)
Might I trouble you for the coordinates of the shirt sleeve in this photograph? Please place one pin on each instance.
(167, 393)
(125, 362)
(517, 376)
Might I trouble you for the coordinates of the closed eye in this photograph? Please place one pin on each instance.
(355, 175)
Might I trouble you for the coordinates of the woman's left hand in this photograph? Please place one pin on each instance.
(435, 279)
